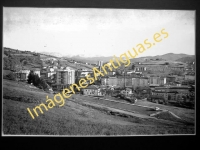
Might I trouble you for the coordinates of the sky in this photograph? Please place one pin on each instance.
(90, 32)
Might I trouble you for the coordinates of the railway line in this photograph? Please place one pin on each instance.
(133, 108)
(136, 110)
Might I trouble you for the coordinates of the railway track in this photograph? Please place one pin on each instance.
(136, 110)
(133, 108)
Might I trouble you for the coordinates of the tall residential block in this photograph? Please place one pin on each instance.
(65, 77)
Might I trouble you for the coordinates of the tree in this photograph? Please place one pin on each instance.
(23, 63)
(11, 76)
(43, 84)
(36, 80)
(6, 64)
(30, 77)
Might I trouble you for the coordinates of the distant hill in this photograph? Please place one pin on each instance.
(92, 60)
(168, 56)
(187, 59)
(50, 54)
(86, 62)
(172, 56)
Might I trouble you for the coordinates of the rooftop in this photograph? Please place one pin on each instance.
(173, 87)
(92, 87)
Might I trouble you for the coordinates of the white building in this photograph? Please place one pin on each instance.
(92, 90)
(65, 77)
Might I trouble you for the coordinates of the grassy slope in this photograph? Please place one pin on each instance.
(186, 114)
(71, 119)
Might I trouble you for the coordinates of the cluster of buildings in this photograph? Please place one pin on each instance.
(168, 87)
(172, 93)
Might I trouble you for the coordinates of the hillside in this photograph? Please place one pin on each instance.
(37, 60)
(165, 57)
(187, 59)
(15, 59)
(171, 56)
(91, 60)
(74, 118)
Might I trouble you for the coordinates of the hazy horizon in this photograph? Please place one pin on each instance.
(52, 53)
(94, 32)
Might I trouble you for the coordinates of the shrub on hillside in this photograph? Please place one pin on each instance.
(10, 76)
(37, 81)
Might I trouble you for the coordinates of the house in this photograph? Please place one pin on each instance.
(127, 91)
(36, 71)
(55, 67)
(143, 91)
(51, 75)
(50, 69)
(129, 81)
(156, 80)
(111, 73)
(92, 90)
(139, 82)
(170, 78)
(190, 76)
(140, 68)
(172, 92)
(65, 77)
(23, 74)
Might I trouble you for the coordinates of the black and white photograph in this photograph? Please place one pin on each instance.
(98, 72)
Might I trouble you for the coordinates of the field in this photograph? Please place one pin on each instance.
(74, 118)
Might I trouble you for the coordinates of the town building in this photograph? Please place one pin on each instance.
(20, 76)
(51, 75)
(171, 78)
(138, 82)
(92, 90)
(65, 77)
(81, 73)
(127, 91)
(43, 74)
(190, 76)
(36, 71)
(143, 92)
(113, 81)
(23, 74)
(140, 68)
(111, 73)
(100, 63)
(50, 69)
(172, 93)
(129, 81)
(156, 80)
(178, 68)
